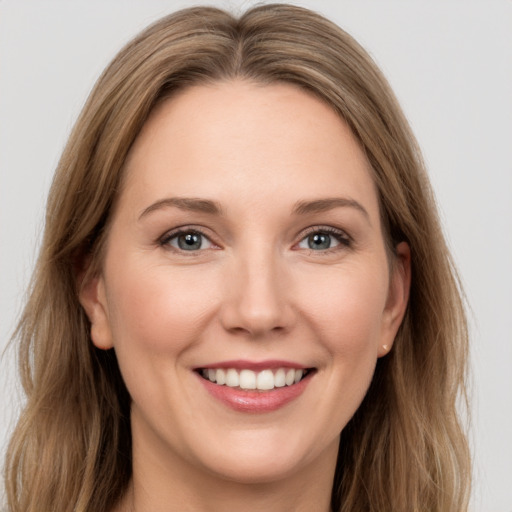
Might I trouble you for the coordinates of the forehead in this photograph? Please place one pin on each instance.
(246, 140)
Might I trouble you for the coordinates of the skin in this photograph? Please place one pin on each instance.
(254, 291)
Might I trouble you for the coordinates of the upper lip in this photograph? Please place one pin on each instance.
(241, 364)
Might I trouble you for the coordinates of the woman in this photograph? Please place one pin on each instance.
(243, 297)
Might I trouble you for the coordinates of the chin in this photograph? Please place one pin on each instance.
(250, 471)
(266, 458)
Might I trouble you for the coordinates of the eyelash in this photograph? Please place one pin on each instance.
(344, 240)
(165, 240)
(341, 236)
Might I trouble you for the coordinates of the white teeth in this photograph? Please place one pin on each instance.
(265, 380)
(221, 376)
(232, 378)
(247, 379)
(280, 378)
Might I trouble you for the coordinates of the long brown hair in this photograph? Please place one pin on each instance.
(404, 450)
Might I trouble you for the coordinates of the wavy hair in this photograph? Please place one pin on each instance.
(405, 449)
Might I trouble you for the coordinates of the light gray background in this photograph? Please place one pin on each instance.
(450, 64)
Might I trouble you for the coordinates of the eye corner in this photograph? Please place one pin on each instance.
(323, 239)
(186, 240)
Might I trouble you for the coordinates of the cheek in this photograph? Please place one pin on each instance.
(346, 308)
(344, 312)
(157, 309)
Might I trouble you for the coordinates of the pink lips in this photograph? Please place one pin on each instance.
(251, 401)
(240, 364)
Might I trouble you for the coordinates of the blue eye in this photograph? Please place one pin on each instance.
(188, 241)
(319, 241)
(323, 240)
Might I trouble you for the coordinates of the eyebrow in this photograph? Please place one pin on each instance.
(190, 204)
(213, 208)
(323, 205)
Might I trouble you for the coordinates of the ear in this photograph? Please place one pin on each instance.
(93, 299)
(398, 297)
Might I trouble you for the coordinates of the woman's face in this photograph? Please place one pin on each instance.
(246, 251)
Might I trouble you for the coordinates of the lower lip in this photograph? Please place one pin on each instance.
(256, 401)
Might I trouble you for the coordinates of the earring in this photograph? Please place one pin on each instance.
(385, 348)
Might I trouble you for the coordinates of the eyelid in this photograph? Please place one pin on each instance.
(164, 239)
(344, 239)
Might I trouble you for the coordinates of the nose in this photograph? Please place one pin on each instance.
(257, 298)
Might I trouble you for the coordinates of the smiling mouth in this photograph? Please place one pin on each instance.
(264, 380)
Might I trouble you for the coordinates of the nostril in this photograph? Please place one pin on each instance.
(258, 303)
